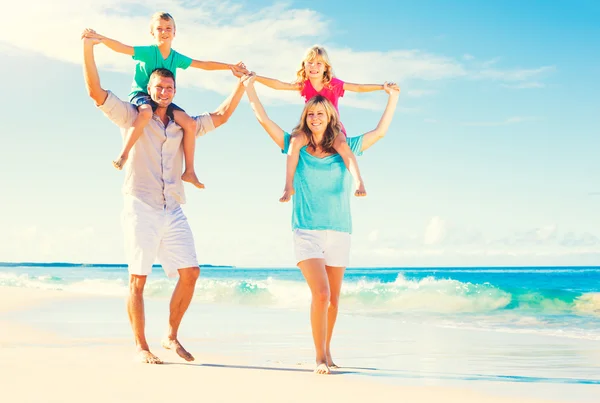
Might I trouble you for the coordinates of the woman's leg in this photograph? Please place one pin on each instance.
(315, 274)
(335, 276)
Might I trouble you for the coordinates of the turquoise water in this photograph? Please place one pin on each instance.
(557, 301)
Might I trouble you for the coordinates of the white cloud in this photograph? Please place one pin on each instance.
(525, 85)
(435, 231)
(513, 74)
(270, 40)
(444, 242)
(467, 56)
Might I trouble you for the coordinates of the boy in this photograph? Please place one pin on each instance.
(160, 55)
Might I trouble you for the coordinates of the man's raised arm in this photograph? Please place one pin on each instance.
(90, 72)
(225, 110)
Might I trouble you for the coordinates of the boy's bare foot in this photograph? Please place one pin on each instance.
(322, 368)
(147, 357)
(360, 190)
(287, 195)
(190, 176)
(170, 344)
(119, 163)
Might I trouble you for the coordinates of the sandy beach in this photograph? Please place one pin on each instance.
(39, 365)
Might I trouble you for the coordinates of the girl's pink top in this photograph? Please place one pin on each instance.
(333, 91)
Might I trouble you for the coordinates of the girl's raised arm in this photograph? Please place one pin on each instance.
(377, 134)
(362, 87)
(278, 85)
(276, 132)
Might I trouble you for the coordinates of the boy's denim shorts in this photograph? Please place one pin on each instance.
(142, 98)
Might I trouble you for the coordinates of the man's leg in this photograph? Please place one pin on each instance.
(135, 310)
(180, 301)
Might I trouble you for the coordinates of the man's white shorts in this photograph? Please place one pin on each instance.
(333, 246)
(150, 233)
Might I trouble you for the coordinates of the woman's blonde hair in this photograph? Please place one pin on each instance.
(161, 15)
(312, 53)
(332, 130)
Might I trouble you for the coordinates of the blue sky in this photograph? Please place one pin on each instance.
(491, 158)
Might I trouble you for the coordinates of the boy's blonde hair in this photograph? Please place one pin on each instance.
(332, 130)
(312, 53)
(161, 15)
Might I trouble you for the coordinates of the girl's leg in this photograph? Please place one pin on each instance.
(188, 124)
(133, 134)
(335, 276)
(314, 272)
(341, 146)
(291, 163)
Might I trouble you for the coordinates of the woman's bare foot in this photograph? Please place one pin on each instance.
(287, 195)
(147, 357)
(322, 369)
(190, 176)
(119, 163)
(360, 190)
(170, 344)
(330, 362)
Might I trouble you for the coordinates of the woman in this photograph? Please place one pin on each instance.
(321, 218)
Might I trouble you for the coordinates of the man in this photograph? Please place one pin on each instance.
(153, 222)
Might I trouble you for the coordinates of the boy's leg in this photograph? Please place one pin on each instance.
(188, 124)
(134, 133)
(291, 163)
(341, 146)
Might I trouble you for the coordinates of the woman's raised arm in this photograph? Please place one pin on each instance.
(377, 134)
(276, 133)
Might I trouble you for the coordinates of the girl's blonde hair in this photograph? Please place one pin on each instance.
(312, 53)
(161, 15)
(332, 130)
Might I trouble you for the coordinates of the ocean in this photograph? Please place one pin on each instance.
(560, 301)
(502, 327)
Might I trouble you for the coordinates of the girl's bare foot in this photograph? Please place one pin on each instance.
(119, 163)
(322, 369)
(170, 344)
(190, 176)
(147, 357)
(360, 190)
(287, 195)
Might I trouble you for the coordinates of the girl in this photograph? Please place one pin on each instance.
(315, 77)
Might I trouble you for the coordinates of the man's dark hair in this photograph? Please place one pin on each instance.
(160, 72)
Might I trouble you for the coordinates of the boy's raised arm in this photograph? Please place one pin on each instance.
(110, 43)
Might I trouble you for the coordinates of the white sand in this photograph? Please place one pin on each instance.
(37, 366)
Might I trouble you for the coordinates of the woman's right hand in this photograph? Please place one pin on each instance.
(391, 88)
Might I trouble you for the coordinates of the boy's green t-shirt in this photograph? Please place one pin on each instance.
(149, 59)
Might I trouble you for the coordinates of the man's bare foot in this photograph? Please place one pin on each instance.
(287, 195)
(360, 190)
(147, 357)
(119, 163)
(190, 176)
(170, 344)
(322, 368)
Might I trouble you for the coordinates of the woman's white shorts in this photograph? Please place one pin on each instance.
(333, 246)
